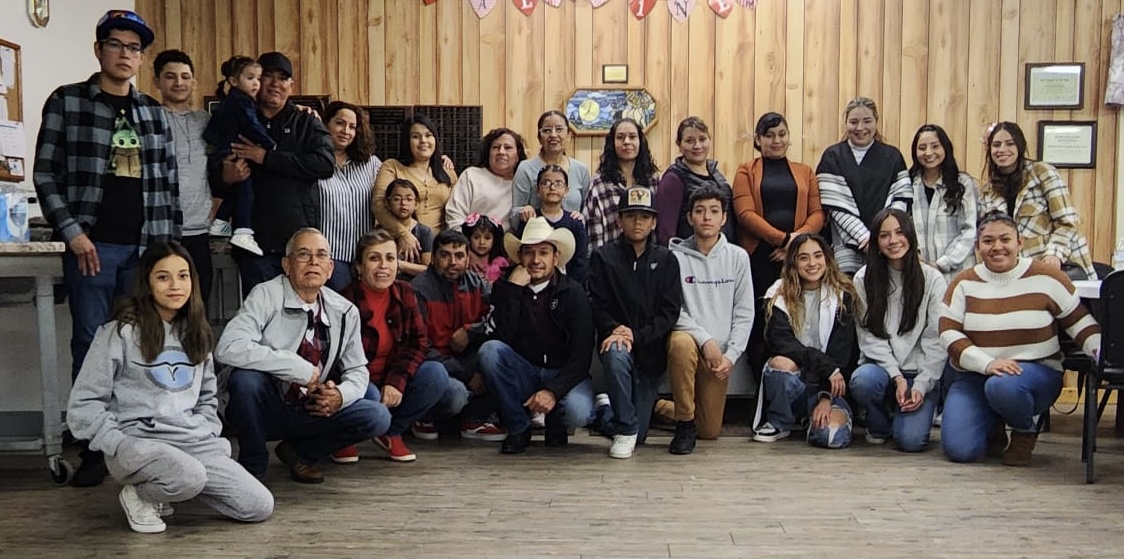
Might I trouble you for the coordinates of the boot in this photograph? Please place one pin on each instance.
(997, 440)
(684, 440)
(1019, 451)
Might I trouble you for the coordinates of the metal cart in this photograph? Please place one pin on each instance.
(42, 261)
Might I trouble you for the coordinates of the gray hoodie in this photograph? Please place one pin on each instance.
(717, 294)
(118, 394)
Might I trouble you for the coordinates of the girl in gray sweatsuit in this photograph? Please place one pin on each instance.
(146, 396)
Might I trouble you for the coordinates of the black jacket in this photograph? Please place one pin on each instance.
(642, 293)
(286, 193)
(570, 312)
(815, 365)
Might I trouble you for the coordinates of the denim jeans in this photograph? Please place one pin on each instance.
(91, 297)
(787, 398)
(632, 392)
(430, 393)
(258, 412)
(254, 269)
(872, 390)
(341, 276)
(976, 402)
(513, 379)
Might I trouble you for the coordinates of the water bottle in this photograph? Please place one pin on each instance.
(1118, 255)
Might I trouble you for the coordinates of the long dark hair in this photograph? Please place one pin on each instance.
(363, 145)
(790, 289)
(232, 68)
(484, 156)
(485, 223)
(610, 168)
(1007, 186)
(138, 309)
(950, 171)
(406, 157)
(877, 280)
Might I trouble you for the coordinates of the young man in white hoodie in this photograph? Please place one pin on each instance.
(714, 323)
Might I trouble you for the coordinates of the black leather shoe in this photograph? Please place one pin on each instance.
(684, 440)
(92, 471)
(298, 471)
(516, 443)
(555, 435)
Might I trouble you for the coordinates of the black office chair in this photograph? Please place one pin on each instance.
(1108, 372)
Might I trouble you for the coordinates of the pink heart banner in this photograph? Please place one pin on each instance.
(553, 3)
(721, 7)
(680, 9)
(641, 8)
(482, 7)
(526, 6)
(747, 4)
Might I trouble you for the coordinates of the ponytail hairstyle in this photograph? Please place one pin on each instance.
(876, 281)
(231, 69)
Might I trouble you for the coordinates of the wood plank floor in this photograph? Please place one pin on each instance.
(732, 498)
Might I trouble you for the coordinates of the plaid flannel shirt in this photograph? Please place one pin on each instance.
(602, 220)
(72, 155)
(404, 320)
(946, 241)
(1046, 217)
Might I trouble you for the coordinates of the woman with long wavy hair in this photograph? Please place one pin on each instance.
(626, 161)
(944, 203)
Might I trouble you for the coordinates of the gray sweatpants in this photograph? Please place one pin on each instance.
(172, 472)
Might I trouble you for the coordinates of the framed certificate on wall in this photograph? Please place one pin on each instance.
(1068, 144)
(1055, 86)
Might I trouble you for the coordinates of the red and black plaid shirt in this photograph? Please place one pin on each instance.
(405, 323)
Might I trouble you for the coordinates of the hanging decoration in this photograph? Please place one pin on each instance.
(747, 4)
(526, 6)
(641, 8)
(482, 7)
(721, 7)
(680, 9)
(598, 3)
(553, 3)
(429, 2)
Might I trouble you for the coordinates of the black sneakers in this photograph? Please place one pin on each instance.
(92, 471)
(516, 443)
(684, 440)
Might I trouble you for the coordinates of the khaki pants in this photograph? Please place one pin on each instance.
(698, 395)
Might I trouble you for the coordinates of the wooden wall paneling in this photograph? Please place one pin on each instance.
(403, 56)
(154, 15)
(657, 72)
(173, 24)
(585, 148)
(700, 71)
(525, 65)
(376, 52)
(891, 101)
(351, 43)
(735, 79)
(1101, 228)
(319, 51)
(449, 43)
(287, 37)
(244, 27)
(470, 56)
(794, 80)
(223, 38)
(678, 107)
(1010, 74)
(1063, 19)
(636, 46)
(426, 47)
(197, 33)
(266, 23)
(769, 80)
(821, 77)
(915, 70)
(848, 53)
(493, 67)
(869, 42)
(983, 83)
(1037, 25)
(948, 75)
(610, 46)
(558, 68)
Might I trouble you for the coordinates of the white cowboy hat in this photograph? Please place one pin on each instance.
(538, 230)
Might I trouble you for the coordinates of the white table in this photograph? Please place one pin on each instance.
(1088, 289)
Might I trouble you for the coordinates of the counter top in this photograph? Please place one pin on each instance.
(31, 249)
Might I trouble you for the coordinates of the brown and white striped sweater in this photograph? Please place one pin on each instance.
(1014, 315)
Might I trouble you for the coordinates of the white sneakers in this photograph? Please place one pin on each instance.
(244, 239)
(221, 228)
(622, 447)
(144, 517)
(770, 434)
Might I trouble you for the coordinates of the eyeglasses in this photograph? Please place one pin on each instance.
(547, 131)
(304, 256)
(113, 45)
(558, 185)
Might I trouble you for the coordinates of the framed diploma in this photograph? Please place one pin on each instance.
(1068, 144)
(1055, 86)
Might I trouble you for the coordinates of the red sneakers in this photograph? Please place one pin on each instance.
(395, 448)
(346, 455)
(483, 431)
(424, 430)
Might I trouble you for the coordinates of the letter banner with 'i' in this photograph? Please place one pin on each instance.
(641, 8)
(680, 9)
(526, 6)
(721, 7)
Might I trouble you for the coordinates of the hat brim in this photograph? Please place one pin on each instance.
(643, 209)
(561, 238)
(124, 24)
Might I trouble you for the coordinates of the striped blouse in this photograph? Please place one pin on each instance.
(345, 206)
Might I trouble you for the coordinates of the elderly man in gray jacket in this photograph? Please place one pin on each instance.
(299, 368)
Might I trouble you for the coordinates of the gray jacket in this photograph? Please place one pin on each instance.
(266, 333)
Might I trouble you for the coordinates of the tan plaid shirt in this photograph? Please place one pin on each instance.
(1046, 217)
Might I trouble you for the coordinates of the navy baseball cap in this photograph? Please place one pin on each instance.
(127, 21)
(276, 61)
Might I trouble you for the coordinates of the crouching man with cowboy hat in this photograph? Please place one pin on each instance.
(538, 357)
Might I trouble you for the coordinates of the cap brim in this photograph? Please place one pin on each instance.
(146, 35)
